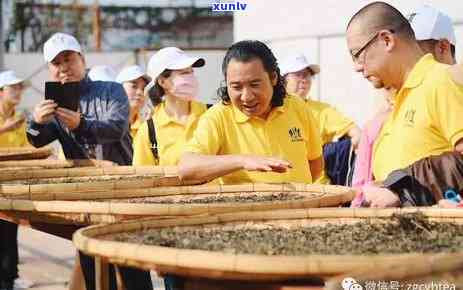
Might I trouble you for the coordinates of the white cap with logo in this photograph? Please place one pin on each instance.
(429, 23)
(59, 42)
(295, 63)
(8, 78)
(171, 58)
(103, 73)
(131, 73)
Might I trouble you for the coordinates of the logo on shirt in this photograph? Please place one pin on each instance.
(295, 134)
(410, 117)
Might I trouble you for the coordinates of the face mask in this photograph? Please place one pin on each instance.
(185, 87)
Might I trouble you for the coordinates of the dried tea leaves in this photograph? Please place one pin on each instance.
(79, 179)
(403, 234)
(221, 198)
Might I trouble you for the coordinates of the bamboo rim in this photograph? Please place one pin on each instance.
(50, 163)
(24, 153)
(219, 265)
(124, 210)
(89, 171)
(155, 186)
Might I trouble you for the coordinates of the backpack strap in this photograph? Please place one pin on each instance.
(153, 139)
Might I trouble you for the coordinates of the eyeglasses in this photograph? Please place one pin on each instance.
(355, 56)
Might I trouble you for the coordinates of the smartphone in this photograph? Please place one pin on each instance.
(65, 95)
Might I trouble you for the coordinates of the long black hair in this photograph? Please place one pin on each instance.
(157, 92)
(248, 50)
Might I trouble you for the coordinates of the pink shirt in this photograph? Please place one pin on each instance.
(363, 173)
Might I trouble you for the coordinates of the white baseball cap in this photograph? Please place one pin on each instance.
(59, 42)
(8, 78)
(131, 73)
(429, 23)
(297, 62)
(103, 73)
(171, 58)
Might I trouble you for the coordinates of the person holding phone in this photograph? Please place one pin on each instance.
(12, 134)
(98, 129)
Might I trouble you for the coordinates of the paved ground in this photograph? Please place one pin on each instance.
(47, 260)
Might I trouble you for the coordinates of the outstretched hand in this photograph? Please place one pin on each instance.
(265, 164)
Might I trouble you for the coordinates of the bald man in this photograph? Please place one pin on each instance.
(426, 118)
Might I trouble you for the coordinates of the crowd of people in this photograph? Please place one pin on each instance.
(265, 127)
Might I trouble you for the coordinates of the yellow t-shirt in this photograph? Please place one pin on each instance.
(332, 123)
(170, 135)
(14, 138)
(427, 119)
(135, 126)
(289, 132)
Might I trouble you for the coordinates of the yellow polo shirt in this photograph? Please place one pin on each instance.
(332, 123)
(170, 135)
(135, 126)
(14, 138)
(427, 118)
(289, 132)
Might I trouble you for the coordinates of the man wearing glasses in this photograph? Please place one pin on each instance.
(426, 117)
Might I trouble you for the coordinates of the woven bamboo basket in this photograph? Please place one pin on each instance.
(118, 205)
(24, 153)
(53, 164)
(43, 184)
(89, 171)
(219, 265)
(156, 185)
(434, 270)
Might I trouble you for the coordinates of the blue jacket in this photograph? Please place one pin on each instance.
(104, 130)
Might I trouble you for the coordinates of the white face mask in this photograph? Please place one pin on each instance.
(185, 87)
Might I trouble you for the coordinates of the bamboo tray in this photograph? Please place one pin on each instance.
(89, 171)
(118, 208)
(50, 163)
(24, 153)
(83, 179)
(218, 265)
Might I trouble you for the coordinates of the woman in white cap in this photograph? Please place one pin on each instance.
(173, 91)
(12, 134)
(298, 73)
(12, 130)
(134, 81)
